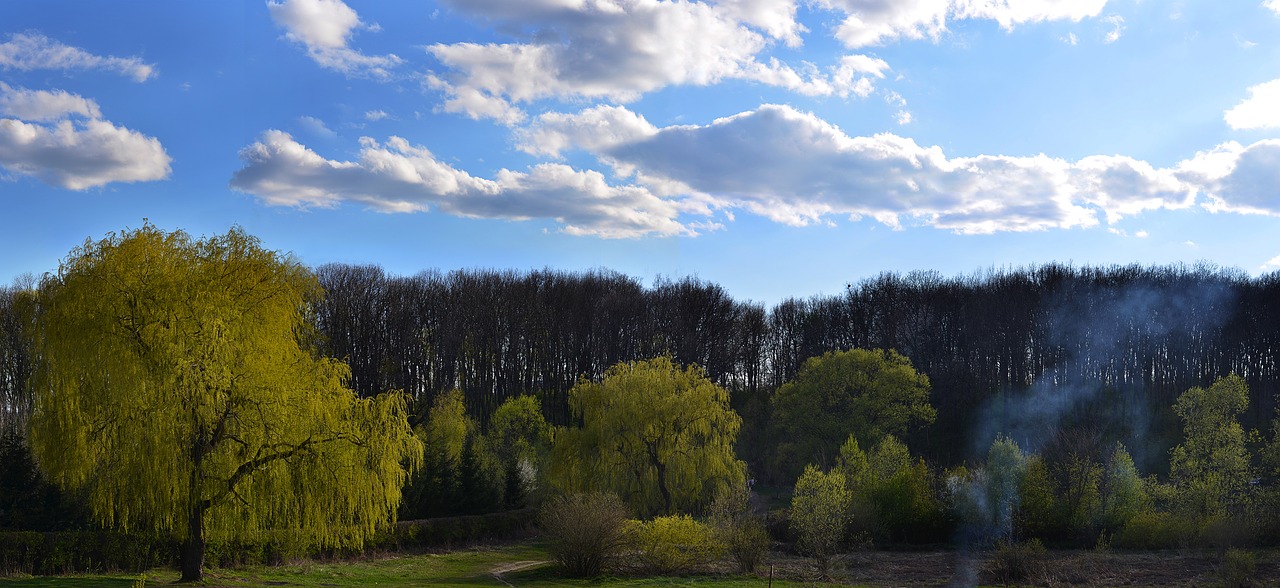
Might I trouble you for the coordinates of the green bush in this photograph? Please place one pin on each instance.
(673, 544)
(1155, 530)
(1238, 569)
(584, 531)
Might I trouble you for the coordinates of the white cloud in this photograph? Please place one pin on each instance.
(376, 115)
(621, 49)
(776, 18)
(1117, 28)
(80, 155)
(1071, 39)
(41, 105)
(1273, 5)
(1261, 110)
(795, 168)
(316, 127)
(324, 27)
(1010, 13)
(42, 140)
(1238, 179)
(400, 177)
(1274, 262)
(31, 51)
(875, 22)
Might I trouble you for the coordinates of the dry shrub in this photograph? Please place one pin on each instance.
(1016, 563)
(585, 532)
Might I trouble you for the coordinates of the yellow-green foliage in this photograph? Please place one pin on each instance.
(1211, 465)
(819, 507)
(673, 544)
(177, 381)
(658, 435)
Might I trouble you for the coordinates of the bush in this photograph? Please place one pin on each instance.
(1237, 569)
(742, 533)
(584, 531)
(673, 545)
(1155, 530)
(1015, 563)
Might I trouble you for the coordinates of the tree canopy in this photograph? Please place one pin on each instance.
(658, 435)
(866, 393)
(177, 379)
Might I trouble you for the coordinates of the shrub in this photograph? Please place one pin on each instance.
(1237, 569)
(673, 544)
(1015, 563)
(584, 531)
(742, 533)
(1155, 530)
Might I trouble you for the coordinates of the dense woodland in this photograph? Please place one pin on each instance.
(1005, 350)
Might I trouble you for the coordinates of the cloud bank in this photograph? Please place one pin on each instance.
(400, 177)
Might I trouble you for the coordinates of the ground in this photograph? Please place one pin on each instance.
(526, 565)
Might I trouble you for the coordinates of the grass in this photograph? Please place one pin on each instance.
(471, 567)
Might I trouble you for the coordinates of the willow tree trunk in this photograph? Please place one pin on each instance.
(192, 561)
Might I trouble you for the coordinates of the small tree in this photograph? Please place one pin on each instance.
(819, 507)
(1211, 465)
(1004, 471)
(1125, 494)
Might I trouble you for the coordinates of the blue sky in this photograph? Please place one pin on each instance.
(777, 147)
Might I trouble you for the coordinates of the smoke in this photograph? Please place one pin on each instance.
(1105, 346)
(1102, 347)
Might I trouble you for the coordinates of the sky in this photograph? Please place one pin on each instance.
(780, 148)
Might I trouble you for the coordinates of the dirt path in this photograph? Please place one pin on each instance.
(515, 566)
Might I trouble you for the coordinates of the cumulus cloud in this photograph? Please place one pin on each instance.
(1273, 263)
(795, 168)
(41, 139)
(621, 49)
(375, 115)
(325, 27)
(1261, 110)
(80, 155)
(1238, 178)
(1273, 5)
(31, 51)
(400, 177)
(41, 105)
(874, 22)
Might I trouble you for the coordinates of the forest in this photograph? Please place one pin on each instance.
(1092, 392)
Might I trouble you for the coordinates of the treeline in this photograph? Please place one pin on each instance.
(1127, 338)
(1005, 350)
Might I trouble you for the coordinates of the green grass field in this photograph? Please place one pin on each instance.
(518, 565)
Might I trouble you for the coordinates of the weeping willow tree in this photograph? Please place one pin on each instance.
(658, 435)
(177, 380)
